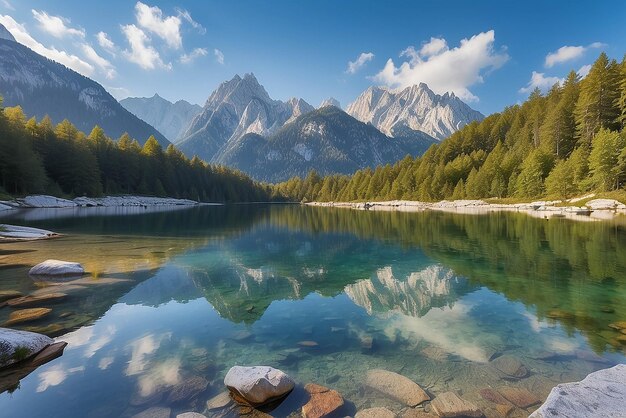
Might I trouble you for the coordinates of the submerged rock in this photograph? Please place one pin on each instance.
(36, 299)
(24, 233)
(449, 405)
(188, 389)
(57, 268)
(258, 384)
(322, 402)
(510, 366)
(396, 387)
(154, 412)
(18, 345)
(219, 401)
(520, 397)
(9, 294)
(190, 415)
(600, 394)
(25, 315)
(375, 413)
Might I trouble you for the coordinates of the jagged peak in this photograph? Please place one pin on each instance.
(331, 101)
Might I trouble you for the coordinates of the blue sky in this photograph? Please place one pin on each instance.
(487, 52)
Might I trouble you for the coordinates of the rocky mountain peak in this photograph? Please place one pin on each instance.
(331, 101)
(5, 34)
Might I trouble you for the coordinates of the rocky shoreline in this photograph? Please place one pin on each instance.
(45, 201)
(596, 209)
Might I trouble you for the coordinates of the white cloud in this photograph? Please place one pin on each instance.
(167, 28)
(141, 53)
(568, 53)
(103, 64)
(56, 26)
(584, 70)
(22, 36)
(186, 16)
(196, 53)
(445, 69)
(118, 92)
(362, 59)
(219, 56)
(7, 5)
(433, 47)
(540, 81)
(105, 42)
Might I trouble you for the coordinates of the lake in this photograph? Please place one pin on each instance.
(453, 302)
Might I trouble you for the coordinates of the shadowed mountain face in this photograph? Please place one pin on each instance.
(44, 87)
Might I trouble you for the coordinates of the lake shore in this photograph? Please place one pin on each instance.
(596, 209)
(45, 201)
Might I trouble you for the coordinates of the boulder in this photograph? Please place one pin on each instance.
(600, 394)
(322, 402)
(57, 268)
(18, 345)
(24, 233)
(375, 413)
(510, 366)
(49, 353)
(520, 397)
(604, 204)
(190, 415)
(492, 396)
(44, 201)
(396, 387)
(188, 389)
(24, 315)
(449, 405)
(258, 385)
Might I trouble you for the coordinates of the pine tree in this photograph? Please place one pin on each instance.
(604, 160)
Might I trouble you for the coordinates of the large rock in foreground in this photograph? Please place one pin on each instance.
(57, 268)
(396, 387)
(600, 394)
(258, 384)
(18, 345)
(323, 402)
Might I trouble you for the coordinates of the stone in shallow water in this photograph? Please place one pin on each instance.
(154, 412)
(18, 345)
(448, 404)
(322, 402)
(57, 268)
(188, 389)
(396, 387)
(37, 299)
(138, 399)
(49, 353)
(618, 325)
(219, 401)
(435, 353)
(25, 315)
(510, 366)
(520, 397)
(600, 394)
(375, 413)
(258, 384)
(308, 344)
(504, 410)
(9, 294)
(190, 415)
(492, 396)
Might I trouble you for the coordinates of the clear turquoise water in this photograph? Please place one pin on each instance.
(204, 289)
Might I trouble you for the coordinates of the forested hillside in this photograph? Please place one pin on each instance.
(38, 157)
(566, 142)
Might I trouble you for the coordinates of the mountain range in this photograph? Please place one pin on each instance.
(240, 125)
(44, 87)
(171, 119)
(416, 108)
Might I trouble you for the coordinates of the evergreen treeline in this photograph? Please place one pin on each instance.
(566, 142)
(38, 157)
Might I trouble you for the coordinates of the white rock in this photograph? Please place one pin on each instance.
(23, 232)
(28, 344)
(604, 204)
(43, 201)
(57, 268)
(600, 394)
(258, 384)
(5, 207)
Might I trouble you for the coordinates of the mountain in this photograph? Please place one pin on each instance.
(327, 140)
(331, 101)
(171, 119)
(237, 107)
(45, 87)
(416, 108)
